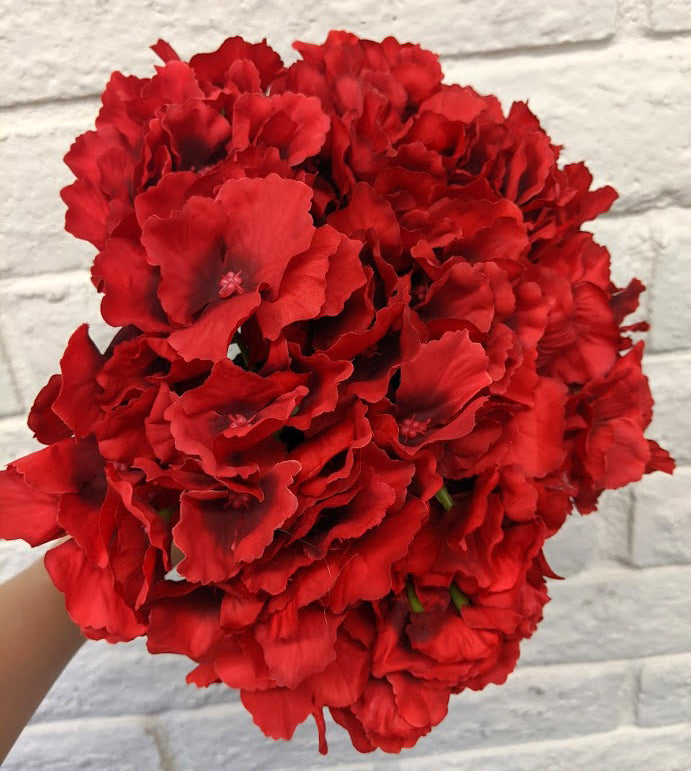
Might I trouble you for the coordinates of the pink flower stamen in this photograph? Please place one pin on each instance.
(230, 284)
(238, 421)
(420, 293)
(410, 428)
(238, 501)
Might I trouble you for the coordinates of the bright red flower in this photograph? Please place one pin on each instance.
(605, 426)
(366, 361)
(237, 523)
(434, 401)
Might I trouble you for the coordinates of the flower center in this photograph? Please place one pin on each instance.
(238, 421)
(238, 501)
(420, 293)
(410, 428)
(371, 352)
(230, 283)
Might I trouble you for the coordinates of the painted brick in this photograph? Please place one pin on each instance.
(670, 298)
(105, 679)
(629, 241)
(597, 539)
(670, 384)
(385, 763)
(662, 519)
(32, 214)
(534, 702)
(9, 404)
(669, 15)
(16, 439)
(632, 18)
(615, 614)
(604, 538)
(606, 109)
(225, 737)
(664, 694)
(45, 312)
(17, 555)
(572, 549)
(70, 50)
(458, 29)
(623, 750)
(559, 701)
(612, 523)
(120, 744)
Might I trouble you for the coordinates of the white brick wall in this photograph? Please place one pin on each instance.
(605, 682)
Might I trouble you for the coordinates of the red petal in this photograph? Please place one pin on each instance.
(203, 675)
(262, 253)
(239, 662)
(419, 703)
(90, 595)
(130, 285)
(209, 337)
(660, 460)
(366, 573)
(26, 512)
(369, 214)
(188, 248)
(215, 538)
(164, 50)
(213, 66)
(290, 660)
(537, 443)
(165, 197)
(278, 711)
(63, 467)
(87, 211)
(342, 681)
(293, 123)
(197, 130)
(448, 638)
(187, 625)
(303, 289)
(443, 377)
(76, 403)
(45, 424)
(345, 275)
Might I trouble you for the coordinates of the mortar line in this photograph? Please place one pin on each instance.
(49, 101)
(538, 50)
(14, 382)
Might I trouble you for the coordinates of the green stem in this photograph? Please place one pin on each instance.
(413, 601)
(444, 497)
(458, 598)
(167, 512)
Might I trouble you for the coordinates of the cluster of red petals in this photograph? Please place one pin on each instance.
(367, 363)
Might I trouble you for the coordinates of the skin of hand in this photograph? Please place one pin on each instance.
(37, 640)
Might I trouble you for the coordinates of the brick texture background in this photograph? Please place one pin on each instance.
(605, 683)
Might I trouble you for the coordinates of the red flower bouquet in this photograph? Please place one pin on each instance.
(367, 361)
